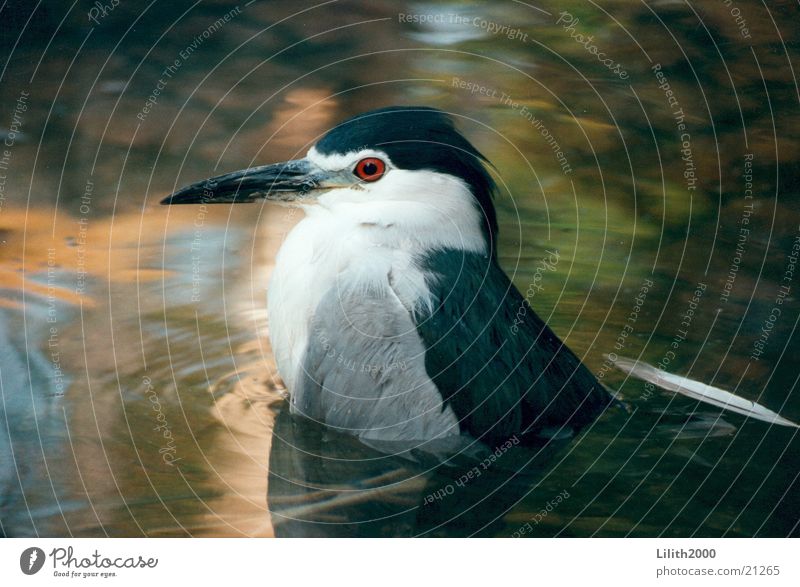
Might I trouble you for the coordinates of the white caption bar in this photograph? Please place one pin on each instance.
(327, 562)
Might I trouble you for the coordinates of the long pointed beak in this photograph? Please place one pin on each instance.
(283, 182)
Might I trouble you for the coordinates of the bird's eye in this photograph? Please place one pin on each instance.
(370, 169)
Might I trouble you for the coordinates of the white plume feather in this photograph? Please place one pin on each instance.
(700, 391)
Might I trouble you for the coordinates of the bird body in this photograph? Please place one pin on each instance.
(389, 315)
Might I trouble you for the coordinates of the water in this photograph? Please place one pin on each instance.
(139, 393)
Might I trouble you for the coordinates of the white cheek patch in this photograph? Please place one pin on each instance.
(434, 210)
(341, 161)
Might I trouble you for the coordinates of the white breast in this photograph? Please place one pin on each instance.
(368, 238)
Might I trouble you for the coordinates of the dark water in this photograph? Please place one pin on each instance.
(139, 395)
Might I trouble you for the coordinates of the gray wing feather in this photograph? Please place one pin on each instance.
(364, 373)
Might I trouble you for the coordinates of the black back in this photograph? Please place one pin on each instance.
(500, 381)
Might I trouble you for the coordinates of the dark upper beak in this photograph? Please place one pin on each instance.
(280, 182)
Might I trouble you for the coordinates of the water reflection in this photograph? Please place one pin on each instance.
(322, 483)
(144, 297)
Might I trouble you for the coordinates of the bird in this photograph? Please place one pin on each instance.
(389, 315)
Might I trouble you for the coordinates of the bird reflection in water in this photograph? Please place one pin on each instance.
(326, 483)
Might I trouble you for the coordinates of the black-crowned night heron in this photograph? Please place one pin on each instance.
(389, 315)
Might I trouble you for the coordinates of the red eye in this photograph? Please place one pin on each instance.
(370, 169)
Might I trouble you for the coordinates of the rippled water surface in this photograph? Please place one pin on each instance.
(653, 146)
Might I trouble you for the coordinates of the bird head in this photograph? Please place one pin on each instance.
(391, 157)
